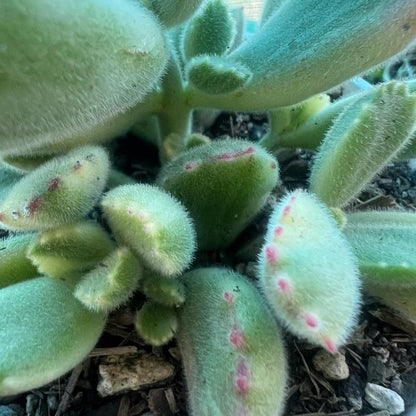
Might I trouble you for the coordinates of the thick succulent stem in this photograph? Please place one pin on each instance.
(174, 116)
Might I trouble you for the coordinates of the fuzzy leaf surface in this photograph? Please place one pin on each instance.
(308, 272)
(44, 333)
(232, 352)
(223, 184)
(111, 283)
(153, 224)
(384, 244)
(368, 134)
(70, 71)
(61, 191)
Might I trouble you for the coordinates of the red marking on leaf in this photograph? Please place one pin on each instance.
(283, 285)
(242, 378)
(141, 217)
(278, 231)
(292, 198)
(234, 155)
(1, 217)
(237, 337)
(229, 297)
(130, 212)
(191, 166)
(242, 368)
(330, 345)
(54, 184)
(272, 254)
(273, 165)
(310, 320)
(34, 205)
(286, 210)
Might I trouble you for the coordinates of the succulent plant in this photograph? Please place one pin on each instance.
(81, 237)
(224, 320)
(45, 332)
(306, 267)
(223, 184)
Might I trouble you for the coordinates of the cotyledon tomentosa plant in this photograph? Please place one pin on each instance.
(74, 74)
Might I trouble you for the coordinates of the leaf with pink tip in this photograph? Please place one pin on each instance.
(153, 224)
(61, 191)
(308, 272)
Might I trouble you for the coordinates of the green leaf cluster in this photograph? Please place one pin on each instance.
(82, 238)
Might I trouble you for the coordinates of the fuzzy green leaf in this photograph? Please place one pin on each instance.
(231, 348)
(59, 192)
(153, 224)
(163, 290)
(111, 283)
(215, 76)
(14, 265)
(173, 12)
(156, 323)
(223, 184)
(269, 8)
(44, 332)
(308, 272)
(72, 70)
(368, 134)
(25, 163)
(210, 31)
(70, 248)
(310, 46)
(384, 244)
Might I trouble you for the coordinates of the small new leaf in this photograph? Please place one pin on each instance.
(210, 31)
(163, 290)
(111, 283)
(70, 248)
(156, 323)
(216, 76)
